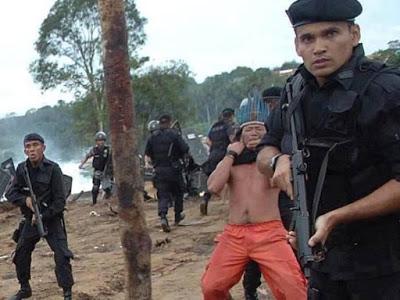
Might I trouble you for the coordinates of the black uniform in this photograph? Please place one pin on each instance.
(167, 149)
(102, 170)
(47, 184)
(358, 110)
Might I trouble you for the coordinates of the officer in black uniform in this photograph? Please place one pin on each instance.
(347, 113)
(48, 186)
(219, 137)
(271, 96)
(167, 150)
(102, 165)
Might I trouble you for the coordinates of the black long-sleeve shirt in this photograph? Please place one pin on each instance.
(47, 184)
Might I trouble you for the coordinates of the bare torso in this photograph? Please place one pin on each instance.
(252, 200)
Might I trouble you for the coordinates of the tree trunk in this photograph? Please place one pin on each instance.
(135, 239)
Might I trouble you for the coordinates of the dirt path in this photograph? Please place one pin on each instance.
(178, 258)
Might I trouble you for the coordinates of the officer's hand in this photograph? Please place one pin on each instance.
(292, 240)
(80, 167)
(237, 147)
(323, 227)
(33, 219)
(29, 204)
(282, 177)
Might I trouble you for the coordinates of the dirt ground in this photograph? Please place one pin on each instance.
(178, 258)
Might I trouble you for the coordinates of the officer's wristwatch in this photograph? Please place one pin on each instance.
(274, 161)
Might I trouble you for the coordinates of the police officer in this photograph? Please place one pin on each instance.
(102, 165)
(271, 96)
(167, 149)
(48, 186)
(220, 135)
(347, 113)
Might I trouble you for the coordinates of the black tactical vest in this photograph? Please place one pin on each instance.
(100, 157)
(219, 136)
(352, 170)
(165, 151)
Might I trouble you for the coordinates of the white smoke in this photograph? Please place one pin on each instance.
(81, 179)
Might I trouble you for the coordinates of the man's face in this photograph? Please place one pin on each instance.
(326, 46)
(100, 143)
(252, 135)
(34, 150)
(272, 104)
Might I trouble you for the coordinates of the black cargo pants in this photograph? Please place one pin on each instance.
(170, 186)
(57, 241)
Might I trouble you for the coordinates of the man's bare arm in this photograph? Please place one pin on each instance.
(383, 201)
(208, 142)
(264, 160)
(220, 176)
(85, 159)
(282, 176)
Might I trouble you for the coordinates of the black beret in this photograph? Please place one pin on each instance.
(165, 118)
(303, 12)
(33, 137)
(272, 92)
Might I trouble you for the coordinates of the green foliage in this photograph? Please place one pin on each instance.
(161, 90)
(83, 126)
(55, 124)
(391, 55)
(288, 65)
(70, 51)
(228, 89)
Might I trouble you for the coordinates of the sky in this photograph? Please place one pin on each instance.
(211, 36)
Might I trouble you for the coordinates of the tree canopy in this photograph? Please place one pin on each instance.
(70, 52)
(391, 55)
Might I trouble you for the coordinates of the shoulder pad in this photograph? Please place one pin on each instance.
(388, 79)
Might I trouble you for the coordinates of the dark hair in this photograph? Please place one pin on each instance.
(164, 119)
(274, 91)
(33, 137)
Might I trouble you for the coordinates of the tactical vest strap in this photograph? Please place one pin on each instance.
(368, 71)
(321, 178)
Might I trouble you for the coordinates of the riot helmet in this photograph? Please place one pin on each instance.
(100, 136)
(153, 125)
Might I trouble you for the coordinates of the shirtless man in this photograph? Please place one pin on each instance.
(255, 230)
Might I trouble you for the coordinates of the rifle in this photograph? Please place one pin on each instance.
(301, 219)
(38, 216)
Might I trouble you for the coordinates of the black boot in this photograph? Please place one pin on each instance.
(67, 294)
(164, 224)
(24, 292)
(178, 218)
(94, 200)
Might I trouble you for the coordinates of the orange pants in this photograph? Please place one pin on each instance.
(264, 243)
